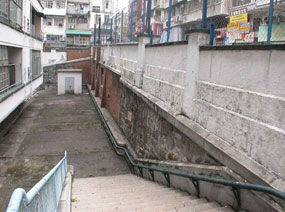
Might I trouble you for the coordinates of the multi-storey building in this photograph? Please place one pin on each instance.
(54, 31)
(78, 31)
(20, 52)
(103, 9)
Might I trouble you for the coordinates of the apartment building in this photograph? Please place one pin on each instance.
(20, 52)
(78, 31)
(53, 28)
(103, 9)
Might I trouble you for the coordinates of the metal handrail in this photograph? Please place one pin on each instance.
(9, 87)
(236, 186)
(20, 196)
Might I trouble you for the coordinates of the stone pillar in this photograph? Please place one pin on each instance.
(196, 38)
(143, 40)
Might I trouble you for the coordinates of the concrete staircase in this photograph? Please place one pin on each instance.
(131, 193)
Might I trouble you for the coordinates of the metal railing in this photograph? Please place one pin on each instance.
(45, 195)
(195, 179)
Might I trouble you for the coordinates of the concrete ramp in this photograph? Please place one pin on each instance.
(131, 193)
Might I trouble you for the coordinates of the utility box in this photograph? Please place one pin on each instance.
(69, 81)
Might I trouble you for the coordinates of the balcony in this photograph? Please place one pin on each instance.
(78, 9)
(193, 10)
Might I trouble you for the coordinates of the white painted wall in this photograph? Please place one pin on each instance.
(53, 57)
(12, 102)
(240, 97)
(165, 73)
(77, 81)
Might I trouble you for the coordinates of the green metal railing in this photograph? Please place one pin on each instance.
(236, 186)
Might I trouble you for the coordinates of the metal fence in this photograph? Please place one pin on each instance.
(229, 21)
(45, 195)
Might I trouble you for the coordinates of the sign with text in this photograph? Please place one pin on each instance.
(241, 18)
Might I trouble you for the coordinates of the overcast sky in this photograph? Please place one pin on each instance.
(121, 4)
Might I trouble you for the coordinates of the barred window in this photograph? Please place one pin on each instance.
(60, 4)
(16, 12)
(240, 2)
(4, 11)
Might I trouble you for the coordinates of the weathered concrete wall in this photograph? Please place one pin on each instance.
(165, 72)
(50, 76)
(154, 137)
(244, 103)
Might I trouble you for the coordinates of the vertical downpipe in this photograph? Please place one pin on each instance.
(271, 11)
(143, 18)
(149, 17)
(169, 19)
(204, 15)
(122, 26)
(131, 21)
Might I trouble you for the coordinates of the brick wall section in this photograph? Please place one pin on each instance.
(86, 67)
(73, 54)
(112, 99)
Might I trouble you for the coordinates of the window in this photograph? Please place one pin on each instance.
(4, 68)
(240, 2)
(54, 37)
(59, 22)
(4, 9)
(97, 19)
(60, 4)
(96, 9)
(36, 63)
(47, 3)
(48, 21)
(16, 12)
(107, 5)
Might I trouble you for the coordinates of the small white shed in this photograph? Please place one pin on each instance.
(69, 81)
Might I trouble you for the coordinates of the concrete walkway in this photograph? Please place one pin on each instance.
(50, 125)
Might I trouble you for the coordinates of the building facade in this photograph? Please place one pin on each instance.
(104, 10)
(78, 31)
(20, 52)
(54, 27)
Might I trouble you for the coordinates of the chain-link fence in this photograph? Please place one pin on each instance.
(229, 21)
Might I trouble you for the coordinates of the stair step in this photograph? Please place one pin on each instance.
(169, 206)
(130, 193)
(200, 208)
(123, 199)
(221, 209)
(153, 205)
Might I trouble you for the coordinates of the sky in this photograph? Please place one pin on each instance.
(121, 4)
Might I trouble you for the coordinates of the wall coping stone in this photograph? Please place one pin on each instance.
(167, 44)
(244, 47)
(206, 31)
(69, 61)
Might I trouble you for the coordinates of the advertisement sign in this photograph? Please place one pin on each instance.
(244, 28)
(238, 31)
(241, 18)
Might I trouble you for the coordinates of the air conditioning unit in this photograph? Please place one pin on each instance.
(72, 27)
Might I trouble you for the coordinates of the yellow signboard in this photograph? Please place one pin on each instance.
(241, 18)
(233, 27)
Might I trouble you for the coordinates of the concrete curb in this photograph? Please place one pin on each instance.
(65, 198)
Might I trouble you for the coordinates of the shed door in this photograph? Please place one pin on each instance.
(69, 85)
